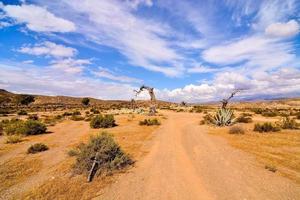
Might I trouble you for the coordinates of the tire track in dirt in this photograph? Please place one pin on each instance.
(186, 163)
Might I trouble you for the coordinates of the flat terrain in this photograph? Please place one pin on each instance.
(187, 163)
(178, 160)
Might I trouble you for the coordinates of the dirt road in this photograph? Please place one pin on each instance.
(187, 163)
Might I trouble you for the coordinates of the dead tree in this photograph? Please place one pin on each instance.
(150, 90)
(133, 104)
(225, 101)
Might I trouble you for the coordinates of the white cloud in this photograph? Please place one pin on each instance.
(135, 3)
(49, 81)
(289, 29)
(49, 49)
(28, 61)
(70, 65)
(105, 73)
(201, 69)
(255, 51)
(114, 24)
(38, 18)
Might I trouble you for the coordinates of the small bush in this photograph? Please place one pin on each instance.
(243, 119)
(22, 112)
(289, 123)
(37, 147)
(73, 152)
(106, 121)
(108, 152)
(149, 122)
(269, 113)
(13, 126)
(257, 110)
(85, 101)
(236, 130)
(207, 119)
(76, 112)
(298, 115)
(266, 127)
(65, 114)
(271, 168)
(77, 118)
(12, 139)
(95, 111)
(34, 128)
(34, 117)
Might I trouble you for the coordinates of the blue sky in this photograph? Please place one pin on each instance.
(194, 51)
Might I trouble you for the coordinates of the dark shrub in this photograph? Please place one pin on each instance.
(270, 113)
(76, 112)
(207, 119)
(236, 130)
(298, 115)
(266, 127)
(67, 114)
(243, 119)
(77, 118)
(106, 121)
(22, 112)
(149, 122)
(257, 110)
(37, 147)
(34, 128)
(25, 99)
(34, 117)
(85, 101)
(289, 123)
(108, 152)
(95, 111)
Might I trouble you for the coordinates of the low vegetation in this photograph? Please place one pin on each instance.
(207, 119)
(77, 118)
(12, 139)
(33, 117)
(266, 127)
(29, 127)
(100, 121)
(224, 117)
(289, 123)
(109, 154)
(22, 112)
(243, 119)
(149, 122)
(236, 130)
(37, 147)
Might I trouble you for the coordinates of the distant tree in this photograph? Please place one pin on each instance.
(183, 103)
(25, 99)
(85, 101)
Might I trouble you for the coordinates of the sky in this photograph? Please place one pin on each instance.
(192, 50)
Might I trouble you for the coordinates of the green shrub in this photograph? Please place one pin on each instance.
(12, 139)
(236, 130)
(22, 112)
(289, 123)
(76, 112)
(270, 113)
(224, 117)
(243, 119)
(25, 99)
(33, 117)
(266, 127)
(149, 122)
(37, 147)
(85, 101)
(95, 111)
(100, 121)
(67, 114)
(207, 119)
(108, 152)
(257, 110)
(34, 128)
(13, 126)
(77, 118)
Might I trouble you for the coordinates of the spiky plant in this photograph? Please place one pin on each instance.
(224, 117)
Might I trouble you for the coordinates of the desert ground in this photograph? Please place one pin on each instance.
(182, 157)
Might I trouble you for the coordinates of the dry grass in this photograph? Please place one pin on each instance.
(17, 170)
(281, 149)
(129, 134)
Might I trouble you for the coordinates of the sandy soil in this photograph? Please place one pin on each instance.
(187, 163)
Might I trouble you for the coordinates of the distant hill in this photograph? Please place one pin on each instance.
(9, 98)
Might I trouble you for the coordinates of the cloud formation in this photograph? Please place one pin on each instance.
(38, 19)
(289, 29)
